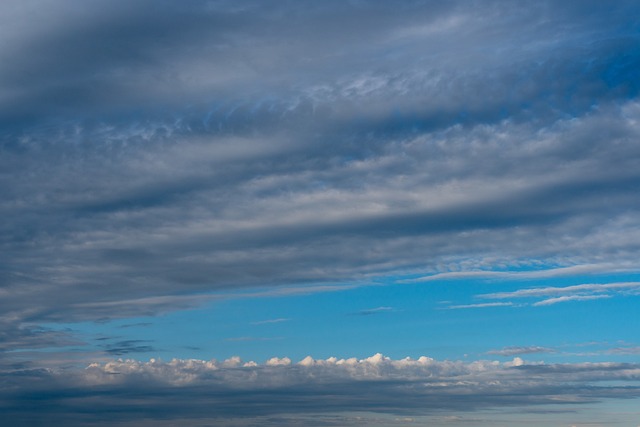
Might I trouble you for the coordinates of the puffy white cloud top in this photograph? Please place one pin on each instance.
(421, 373)
(180, 388)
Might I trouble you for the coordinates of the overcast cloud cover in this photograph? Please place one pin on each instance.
(154, 154)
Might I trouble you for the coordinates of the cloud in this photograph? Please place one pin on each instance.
(186, 252)
(625, 350)
(516, 350)
(481, 305)
(156, 156)
(135, 325)
(370, 311)
(121, 348)
(154, 153)
(556, 300)
(276, 361)
(583, 292)
(526, 275)
(203, 390)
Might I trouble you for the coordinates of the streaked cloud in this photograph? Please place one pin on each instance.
(528, 274)
(625, 350)
(583, 292)
(481, 305)
(566, 298)
(520, 350)
(376, 310)
(121, 348)
(154, 153)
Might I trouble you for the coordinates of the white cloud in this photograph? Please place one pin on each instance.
(573, 270)
(517, 361)
(551, 301)
(376, 367)
(575, 289)
(583, 292)
(275, 361)
(233, 388)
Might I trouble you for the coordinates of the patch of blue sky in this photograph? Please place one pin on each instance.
(443, 319)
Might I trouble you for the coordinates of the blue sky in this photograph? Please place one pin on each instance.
(446, 319)
(319, 213)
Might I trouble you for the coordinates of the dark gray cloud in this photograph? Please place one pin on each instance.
(15, 335)
(154, 152)
(121, 348)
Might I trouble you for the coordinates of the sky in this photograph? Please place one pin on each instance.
(305, 213)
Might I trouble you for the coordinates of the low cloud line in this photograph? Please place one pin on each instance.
(232, 388)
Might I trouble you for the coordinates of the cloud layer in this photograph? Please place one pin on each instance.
(201, 391)
(154, 151)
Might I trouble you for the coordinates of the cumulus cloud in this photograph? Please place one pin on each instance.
(209, 390)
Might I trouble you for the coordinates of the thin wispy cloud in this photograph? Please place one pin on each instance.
(481, 305)
(136, 325)
(551, 301)
(625, 350)
(521, 350)
(126, 347)
(528, 274)
(376, 310)
(583, 292)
